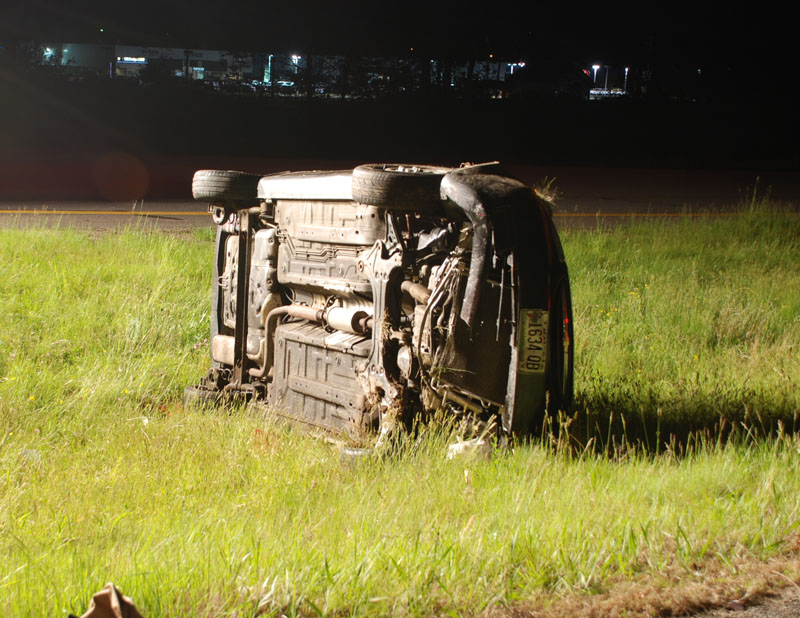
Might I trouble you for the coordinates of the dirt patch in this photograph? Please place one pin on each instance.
(752, 590)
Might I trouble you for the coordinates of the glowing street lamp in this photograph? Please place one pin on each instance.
(625, 86)
(595, 67)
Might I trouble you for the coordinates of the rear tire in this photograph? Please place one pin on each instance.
(217, 186)
(398, 187)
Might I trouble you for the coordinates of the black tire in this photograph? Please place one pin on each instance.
(200, 397)
(216, 186)
(398, 187)
(560, 380)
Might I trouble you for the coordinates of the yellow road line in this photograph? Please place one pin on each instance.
(141, 213)
(645, 214)
(163, 213)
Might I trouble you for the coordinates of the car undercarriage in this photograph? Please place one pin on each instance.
(355, 301)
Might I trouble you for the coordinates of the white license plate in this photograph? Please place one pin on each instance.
(533, 340)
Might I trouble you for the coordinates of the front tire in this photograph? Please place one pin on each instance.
(219, 186)
(196, 396)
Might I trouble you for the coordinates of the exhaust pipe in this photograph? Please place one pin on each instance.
(355, 321)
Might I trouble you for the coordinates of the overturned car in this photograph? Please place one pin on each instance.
(355, 300)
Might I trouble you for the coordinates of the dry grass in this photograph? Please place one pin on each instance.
(674, 592)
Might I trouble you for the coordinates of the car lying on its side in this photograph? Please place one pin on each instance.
(353, 300)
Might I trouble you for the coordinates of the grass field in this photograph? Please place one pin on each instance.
(681, 324)
(105, 477)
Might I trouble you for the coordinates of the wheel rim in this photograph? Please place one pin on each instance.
(410, 168)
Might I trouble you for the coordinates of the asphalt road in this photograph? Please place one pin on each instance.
(584, 194)
(163, 214)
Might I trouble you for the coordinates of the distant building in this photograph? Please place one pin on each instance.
(291, 74)
(132, 60)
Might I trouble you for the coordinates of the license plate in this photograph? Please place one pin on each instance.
(533, 340)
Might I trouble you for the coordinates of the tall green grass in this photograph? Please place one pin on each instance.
(105, 477)
(681, 323)
(98, 320)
